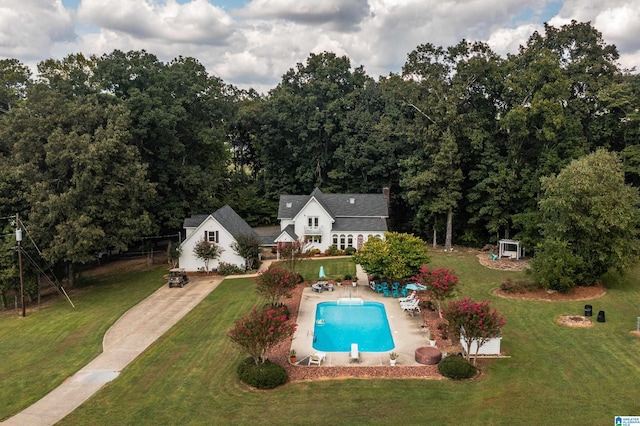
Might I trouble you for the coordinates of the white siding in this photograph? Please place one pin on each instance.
(190, 262)
(325, 223)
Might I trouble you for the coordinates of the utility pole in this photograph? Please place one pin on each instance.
(19, 240)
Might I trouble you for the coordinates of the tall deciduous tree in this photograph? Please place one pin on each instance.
(590, 208)
(178, 123)
(14, 78)
(301, 123)
(86, 185)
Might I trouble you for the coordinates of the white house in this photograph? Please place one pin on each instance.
(220, 227)
(320, 220)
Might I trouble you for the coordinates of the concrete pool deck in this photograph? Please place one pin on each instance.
(406, 329)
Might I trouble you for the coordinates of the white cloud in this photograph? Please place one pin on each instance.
(196, 22)
(30, 28)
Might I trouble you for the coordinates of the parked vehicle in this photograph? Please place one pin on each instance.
(178, 278)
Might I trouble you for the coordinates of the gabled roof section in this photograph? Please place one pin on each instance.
(231, 221)
(336, 205)
(226, 217)
(290, 231)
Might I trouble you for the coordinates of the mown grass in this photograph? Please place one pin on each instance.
(555, 375)
(49, 345)
(334, 269)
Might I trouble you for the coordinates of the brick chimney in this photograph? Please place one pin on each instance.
(385, 194)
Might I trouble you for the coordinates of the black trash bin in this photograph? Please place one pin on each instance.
(588, 310)
(601, 316)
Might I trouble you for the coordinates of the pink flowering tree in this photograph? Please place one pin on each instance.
(473, 322)
(276, 283)
(291, 253)
(441, 284)
(260, 330)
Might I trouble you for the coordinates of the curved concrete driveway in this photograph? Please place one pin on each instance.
(122, 343)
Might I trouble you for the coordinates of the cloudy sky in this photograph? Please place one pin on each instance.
(251, 43)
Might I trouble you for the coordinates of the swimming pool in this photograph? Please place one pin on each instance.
(338, 325)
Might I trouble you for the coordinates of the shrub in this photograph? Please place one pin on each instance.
(516, 286)
(281, 307)
(347, 277)
(264, 376)
(314, 252)
(332, 250)
(350, 251)
(511, 286)
(225, 268)
(456, 367)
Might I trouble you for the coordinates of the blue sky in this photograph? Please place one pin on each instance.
(251, 44)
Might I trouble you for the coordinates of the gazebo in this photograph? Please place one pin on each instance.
(511, 249)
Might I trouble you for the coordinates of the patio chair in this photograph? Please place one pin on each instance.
(408, 298)
(379, 288)
(395, 293)
(410, 305)
(494, 256)
(354, 355)
(317, 358)
(386, 292)
(404, 291)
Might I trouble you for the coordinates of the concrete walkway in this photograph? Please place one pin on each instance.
(136, 330)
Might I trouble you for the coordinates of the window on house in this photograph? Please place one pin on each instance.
(343, 242)
(313, 222)
(349, 240)
(335, 240)
(211, 236)
(314, 239)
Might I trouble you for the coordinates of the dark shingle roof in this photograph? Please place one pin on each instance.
(227, 217)
(290, 205)
(194, 221)
(290, 229)
(337, 205)
(360, 224)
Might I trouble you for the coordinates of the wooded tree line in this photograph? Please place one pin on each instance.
(97, 152)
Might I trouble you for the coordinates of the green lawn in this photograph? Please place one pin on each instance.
(334, 269)
(47, 346)
(556, 375)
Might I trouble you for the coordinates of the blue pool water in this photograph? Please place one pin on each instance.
(337, 326)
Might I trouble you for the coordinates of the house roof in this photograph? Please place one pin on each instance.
(360, 224)
(226, 217)
(337, 205)
(290, 230)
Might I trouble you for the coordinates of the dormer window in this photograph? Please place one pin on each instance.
(289, 205)
(352, 200)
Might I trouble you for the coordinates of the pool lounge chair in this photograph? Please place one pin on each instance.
(317, 358)
(354, 356)
(408, 298)
(411, 306)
